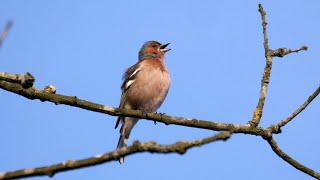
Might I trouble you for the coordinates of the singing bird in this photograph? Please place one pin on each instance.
(145, 86)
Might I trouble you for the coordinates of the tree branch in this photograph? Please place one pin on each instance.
(284, 51)
(33, 93)
(290, 160)
(137, 147)
(26, 79)
(257, 114)
(5, 31)
(269, 53)
(277, 128)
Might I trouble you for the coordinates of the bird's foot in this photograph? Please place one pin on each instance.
(161, 114)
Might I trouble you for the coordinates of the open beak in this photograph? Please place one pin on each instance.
(164, 49)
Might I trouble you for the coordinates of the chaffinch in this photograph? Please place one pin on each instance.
(145, 86)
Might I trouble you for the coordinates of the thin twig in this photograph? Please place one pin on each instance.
(290, 160)
(42, 95)
(277, 128)
(137, 147)
(257, 114)
(5, 31)
(284, 51)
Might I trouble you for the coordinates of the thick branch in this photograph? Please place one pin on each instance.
(33, 93)
(290, 160)
(277, 128)
(5, 31)
(137, 147)
(257, 114)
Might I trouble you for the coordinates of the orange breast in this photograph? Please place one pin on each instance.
(150, 87)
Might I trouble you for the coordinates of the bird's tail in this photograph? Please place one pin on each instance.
(127, 126)
(122, 143)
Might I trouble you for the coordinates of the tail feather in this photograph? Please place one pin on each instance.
(118, 121)
(123, 142)
(125, 131)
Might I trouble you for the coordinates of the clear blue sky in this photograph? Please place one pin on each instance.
(216, 63)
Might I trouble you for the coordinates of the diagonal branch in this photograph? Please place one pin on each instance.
(5, 31)
(137, 147)
(42, 95)
(290, 160)
(277, 128)
(257, 114)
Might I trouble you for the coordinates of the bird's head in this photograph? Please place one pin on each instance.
(153, 49)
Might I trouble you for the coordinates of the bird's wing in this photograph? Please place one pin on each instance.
(128, 79)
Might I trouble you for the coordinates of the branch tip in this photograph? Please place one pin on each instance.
(305, 48)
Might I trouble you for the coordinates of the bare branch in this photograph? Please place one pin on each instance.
(290, 160)
(284, 51)
(264, 27)
(33, 93)
(269, 53)
(5, 31)
(22, 85)
(137, 147)
(26, 80)
(277, 128)
(257, 114)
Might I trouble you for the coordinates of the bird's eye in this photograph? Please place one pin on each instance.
(154, 46)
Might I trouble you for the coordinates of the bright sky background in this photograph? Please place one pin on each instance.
(216, 63)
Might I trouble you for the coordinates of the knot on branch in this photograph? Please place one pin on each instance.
(50, 89)
(181, 147)
(69, 163)
(136, 144)
(50, 173)
(26, 80)
(275, 129)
